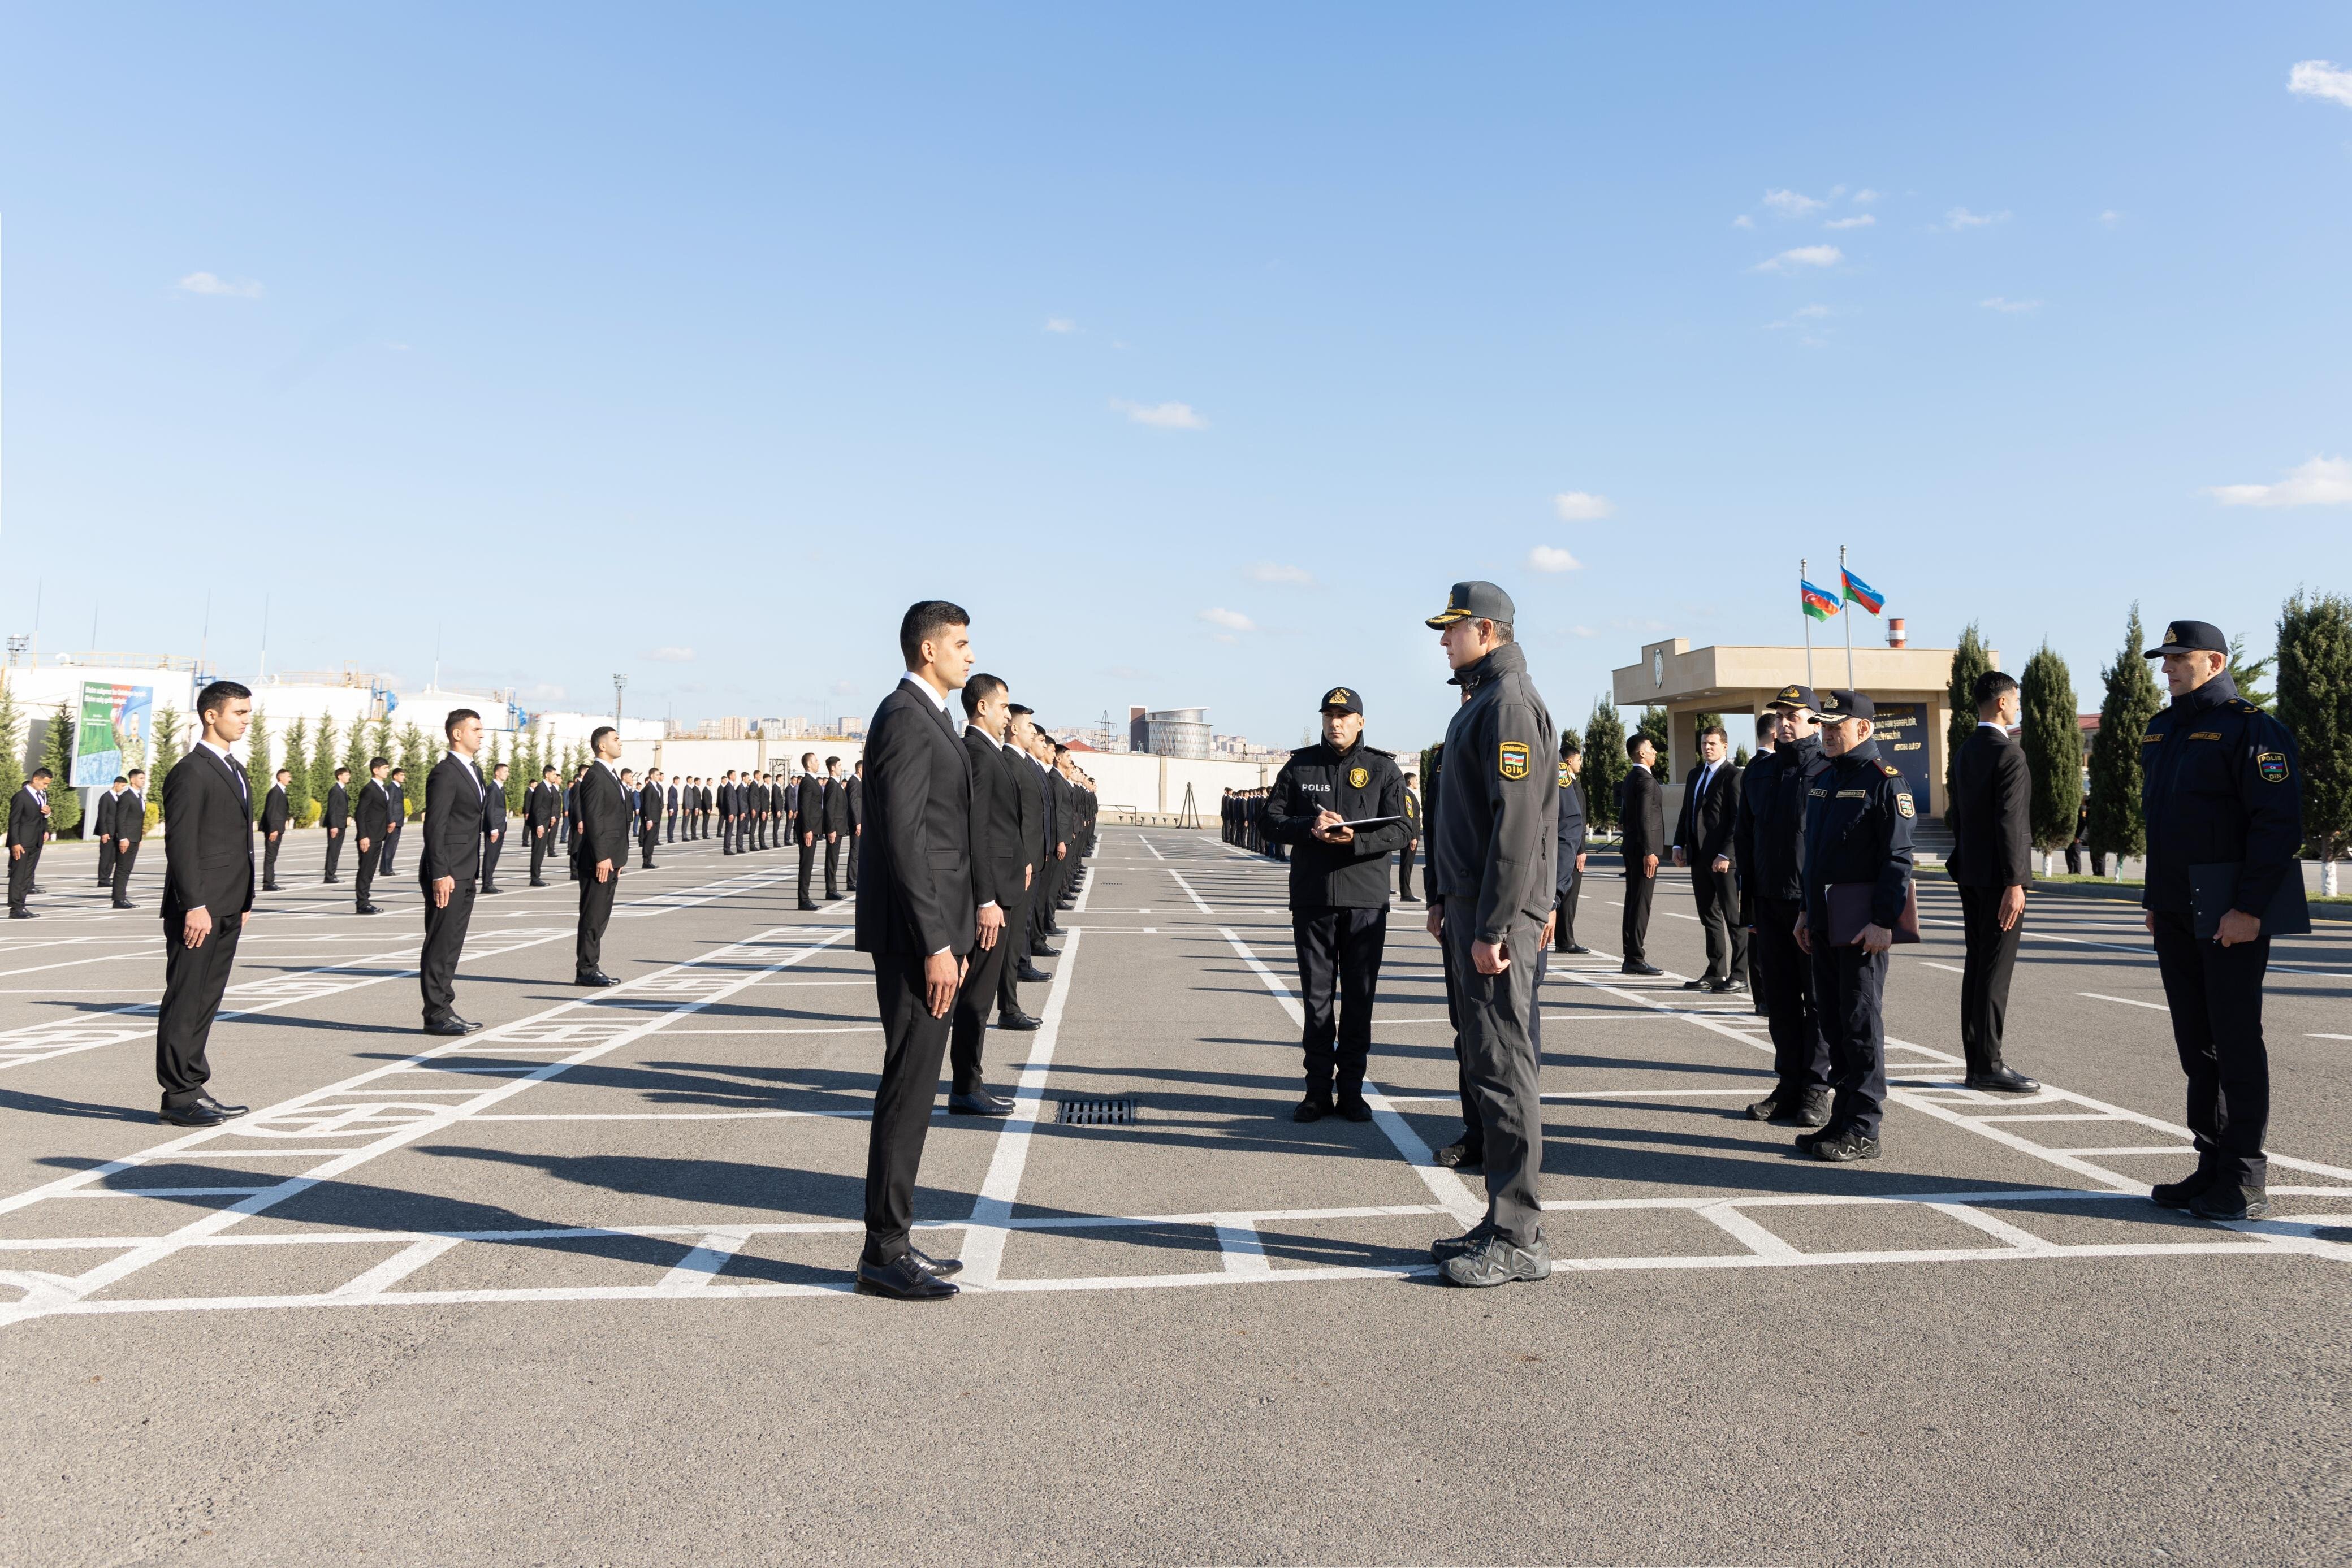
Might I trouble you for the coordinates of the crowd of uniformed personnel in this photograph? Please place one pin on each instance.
(1243, 812)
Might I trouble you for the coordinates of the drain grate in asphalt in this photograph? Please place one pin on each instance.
(1117, 1112)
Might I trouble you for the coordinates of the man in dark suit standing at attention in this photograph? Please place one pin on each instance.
(129, 828)
(1644, 821)
(103, 823)
(1703, 842)
(649, 816)
(449, 869)
(395, 789)
(207, 902)
(1992, 847)
(600, 850)
(919, 920)
(1568, 827)
(494, 825)
(854, 788)
(810, 821)
(276, 811)
(726, 812)
(541, 809)
(836, 826)
(372, 820)
(28, 829)
(337, 818)
(1001, 871)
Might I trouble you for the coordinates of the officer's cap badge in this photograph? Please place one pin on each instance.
(2272, 765)
(1514, 759)
(1359, 777)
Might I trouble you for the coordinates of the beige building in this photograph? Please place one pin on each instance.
(1909, 686)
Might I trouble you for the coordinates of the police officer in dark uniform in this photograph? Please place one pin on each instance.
(2220, 788)
(1339, 893)
(1768, 854)
(1858, 816)
(1570, 830)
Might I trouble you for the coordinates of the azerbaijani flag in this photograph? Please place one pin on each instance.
(1860, 592)
(1820, 602)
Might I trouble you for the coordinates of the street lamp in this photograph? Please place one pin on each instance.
(619, 681)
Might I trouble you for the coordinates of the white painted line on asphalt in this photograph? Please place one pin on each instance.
(992, 1211)
(1993, 1224)
(2327, 1036)
(1238, 1239)
(1197, 902)
(1727, 1218)
(1948, 968)
(2127, 1001)
(699, 1267)
(1146, 841)
(396, 1268)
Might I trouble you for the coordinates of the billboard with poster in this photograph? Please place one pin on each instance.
(112, 732)
(1901, 731)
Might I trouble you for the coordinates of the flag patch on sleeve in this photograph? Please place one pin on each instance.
(1514, 759)
(2272, 765)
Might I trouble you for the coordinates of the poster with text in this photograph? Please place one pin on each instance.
(113, 734)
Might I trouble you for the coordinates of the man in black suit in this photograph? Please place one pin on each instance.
(102, 823)
(1993, 848)
(1000, 870)
(277, 813)
(371, 820)
(918, 918)
(395, 789)
(1040, 748)
(129, 828)
(1570, 829)
(494, 824)
(726, 812)
(600, 851)
(836, 826)
(1036, 827)
(541, 804)
(810, 821)
(28, 831)
(1643, 818)
(449, 867)
(207, 902)
(854, 788)
(337, 818)
(1703, 842)
(649, 816)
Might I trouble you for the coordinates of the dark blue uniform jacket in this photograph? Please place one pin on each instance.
(1858, 816)
(2220, 785)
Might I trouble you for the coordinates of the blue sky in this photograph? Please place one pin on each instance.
(1195, 352)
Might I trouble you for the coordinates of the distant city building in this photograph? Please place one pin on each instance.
(1242, 748)
(1169, 732)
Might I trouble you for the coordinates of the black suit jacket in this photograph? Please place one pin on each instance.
(998, 852)
(102, 818)
(836, 805)
(542, 805)
(375, 809)
(276, 809)
(854, 791)
(1644, 819)
(1992, 829)
(603, 831)
(453, 823)
(1704, 829)
(649, 807)
(494, 807)
(131, 816)
(915, 871)
(338, 806)
(26, 825)
(208, 853)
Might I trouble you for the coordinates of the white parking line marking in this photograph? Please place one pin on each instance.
(2127, 1001)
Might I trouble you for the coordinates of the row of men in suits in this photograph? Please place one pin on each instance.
(121, 824)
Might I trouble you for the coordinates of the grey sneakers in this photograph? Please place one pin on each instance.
(1496, 1262)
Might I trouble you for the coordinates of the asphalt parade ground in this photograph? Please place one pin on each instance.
(576, 1289)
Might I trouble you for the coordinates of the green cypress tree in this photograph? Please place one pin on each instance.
(2131, 700)
(1968, 661)
(57, 751)
(258, 757)
(2247, 674)
(1605, 763)
(171, 742)
(380, 741)
(1658, 725)
(516, 780)
(418, 763)
(2051, 736)
(12, 745)
(298, 762)
(323, 761)
(356, 755)
(2314, 702)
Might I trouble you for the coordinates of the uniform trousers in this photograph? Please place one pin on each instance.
(1498, 1058)
(975, 998)
(270, 844)
(106, 860)
(1850, 990)
(850, 872)
(808, 864)
(20, 873)
(646, 843)
(1991, 958)
(383, 858)
(334, 852)
(1726, 939)
(1563, 936)
(1474, 1133)
(194, 980)
(123, 861)
(490, 848)
(1041, 907)
(445, 943)
(1800, 1054)
(539, 842)
(726, 835)
(595, 911)
(672, 835)
(913, 1042)
(1405, 870)
(2215, 996)
(1016, 944)
(366, 882)
(1639, 889)
(833, 867)
(1340, 953)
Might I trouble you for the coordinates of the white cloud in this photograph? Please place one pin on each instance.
(2008, 307)
(1231, 619)
(1743, 221)
(1060, 324)
(1803, 255)
(671, 655)
(1814, 312)
(207, 283)
(1791, 204)
(2322, 482)
(2111, 217)
(1865, 196)
(1962, 218)
(1272, 572)
(1583, 631)
(1581, 507)
(845, 687)
(542, 693)
(1859, 221)
(1161, 415)
(1545, 558)
(2320, 79)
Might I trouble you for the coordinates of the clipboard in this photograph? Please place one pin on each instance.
(2214, 892)
(1362, 822)
(1850, 910)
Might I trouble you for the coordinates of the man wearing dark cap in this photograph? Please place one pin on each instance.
(1491, 891)
(1339, 893)
(1858, 816)
(2223, 798)
(1768, 854)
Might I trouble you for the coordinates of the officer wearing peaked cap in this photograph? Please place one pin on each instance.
(1768, 854)
(1858, 816)
(1339, 893)
(2221, 794)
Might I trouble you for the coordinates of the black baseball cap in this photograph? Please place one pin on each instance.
(1473, 602)
(1796, 697)
(1347, 699)
(1839, 703)
(2190, 637)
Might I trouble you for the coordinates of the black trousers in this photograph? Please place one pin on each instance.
(106, 860)
(368, 860)
(646, 843)
(1801, 1053)
(334, 852)
(1016, 943)
(808, 864)
(445, 943)
(539, 842)
(20, 873)
(1499, 1053)
(968, 1033)
(833, 868)
(849, 847)
(1991, 958)
(391, 843)
(671, 837)
(913, 1042)
(490, 848)
(1563, 935)
(1718, 910)
(270, 844)
(726, 835)
(1340, 953)
(1041, 907)
(1405, 870)
(2215, 996)
(123, 861)
(194, 979)
(595, 913)
(1639, 889)
(1850, 988)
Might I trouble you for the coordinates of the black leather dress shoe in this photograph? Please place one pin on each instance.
(2181, 1194)
(1019, 1021)
(270, 887)
(1701, 984)
(368, 909)
(202, 1111)
(593, 978)
(539, 882)
(1635, 967)
(17, 912)
(124, 904)
(1030, 973)
(901, 1278)
(808, 903)
(1353, 1108)
(1044, 950)
(453, 1025)
(980, 1104)
(1314, 1108)
(487, 891)
(939, 1267)
(1575, 947)
(2000, 1081)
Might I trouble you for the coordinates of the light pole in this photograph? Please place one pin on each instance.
(619, 681)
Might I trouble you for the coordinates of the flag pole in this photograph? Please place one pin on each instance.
(1844, 598)
(1807, 617)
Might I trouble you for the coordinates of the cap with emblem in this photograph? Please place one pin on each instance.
(1795, 696)
(1343, 699)
(1475, 601)
(1839, 703)
(2190, 637)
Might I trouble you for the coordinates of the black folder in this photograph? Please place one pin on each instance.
(1849, 909)
(2214, 892)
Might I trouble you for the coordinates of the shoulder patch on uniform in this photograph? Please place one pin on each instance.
(1902, 805)
(2272, 765)
(1359, 777)
(1512, 758)
(1563, 775)
(1890, 770)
